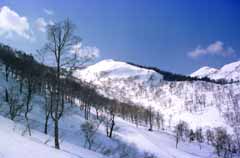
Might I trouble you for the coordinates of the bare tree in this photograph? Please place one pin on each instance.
(47, 107)
(27, 101)
(181, 130)
(220, 140)
(61, 46)
(109, 122)
(191, 136)
(89, 129)
(14, 103)
(160, 121)
(150, 115)
(237, 137)
(209, 136)
(199, 136)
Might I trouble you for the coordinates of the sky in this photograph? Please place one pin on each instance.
(174, 35)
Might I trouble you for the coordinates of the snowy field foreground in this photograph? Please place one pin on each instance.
(13, 144)
(16, 143)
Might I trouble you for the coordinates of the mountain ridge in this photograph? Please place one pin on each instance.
(229, 72)
(197, 102)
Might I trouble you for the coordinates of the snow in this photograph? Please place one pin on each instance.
(200, 104)
(117, 70)
(209, 118)
(204, 72)
(229, 72)
(160, 143)
(15, 141)
(169, 98)
(14, 145)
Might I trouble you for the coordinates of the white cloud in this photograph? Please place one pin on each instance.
(41, 24)
(216, 48)
(50, 22)
(48, 12)
(11, 22)
(85, 51)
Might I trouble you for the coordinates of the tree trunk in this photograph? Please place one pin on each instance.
(29, 97)
(177, 139)
(56, 134)
(28, 126)
(6, 73)
(112, 127)
(46, 124)
(21, 86)
(97, 114)
(150, 122)
(6, 95)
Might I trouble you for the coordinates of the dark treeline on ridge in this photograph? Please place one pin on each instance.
(169, 76)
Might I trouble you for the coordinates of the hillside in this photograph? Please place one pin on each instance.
(201, 104)
(15, 144)
(129, 140)
(141, 107)
(230, 72)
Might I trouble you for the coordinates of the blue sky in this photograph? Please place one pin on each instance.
(176, 35)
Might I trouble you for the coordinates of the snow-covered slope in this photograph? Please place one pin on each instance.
(15, 145)
(201, 104)
(129, 141)
(118, 70)
(204, 72)
(229, 72)
(15, 142)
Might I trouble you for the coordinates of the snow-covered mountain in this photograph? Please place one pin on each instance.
(204, 72)
(200, 103)
(118, 70)
(129, 141)
(228, 72)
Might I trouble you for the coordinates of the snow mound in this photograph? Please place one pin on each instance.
(229, 72)
(117, 70)
(204, 72)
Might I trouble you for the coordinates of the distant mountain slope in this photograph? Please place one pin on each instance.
(228, 72)
(200, 103)
(204, 72)
(118, 70)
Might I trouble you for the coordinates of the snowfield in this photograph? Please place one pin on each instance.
(117, 70)
(161, 143)
(229, 72)
(207, 105)
(201, 104)
(14, 145)
(204, 72)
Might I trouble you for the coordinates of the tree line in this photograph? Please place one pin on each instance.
(224, 144)
(57, 87)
